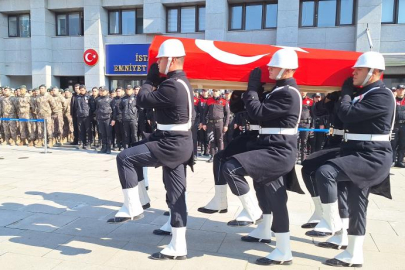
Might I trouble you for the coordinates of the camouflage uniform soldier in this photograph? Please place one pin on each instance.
(8, 110)
(34, 125)
(45, 106)
(57, 116)
(23, 102)
(67, 117)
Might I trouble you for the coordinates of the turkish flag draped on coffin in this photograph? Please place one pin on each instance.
(227, 64)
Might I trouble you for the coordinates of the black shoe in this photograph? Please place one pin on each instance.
(400, 165)
(267, 261)
(309, 225)
(251, 239)
(146, 206)
(116, 220)
(108, 150)
(167, 213)
(339, 263)
(236, 223)
(160, 256)
(330, 245)
(103, 149)
(318, 234)
(210, 160)
(209, 211)
(85, 147)
(74, 143)
(161, 232)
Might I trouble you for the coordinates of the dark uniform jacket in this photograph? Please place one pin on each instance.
(92, 105)
(201, 106)
(73, 105)
(82, 106)
(104, 108)
(216, 109)
(367, 163)
(272, 156)
(129, 109)
(400, 111)
(117, 114)
(172, 106)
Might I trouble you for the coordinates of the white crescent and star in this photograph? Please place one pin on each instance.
(86, 56)
(209, 47)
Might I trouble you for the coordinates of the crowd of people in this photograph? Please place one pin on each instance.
(246, 133)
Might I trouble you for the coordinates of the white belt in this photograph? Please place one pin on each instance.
(283, 131)
(336, 132)
(367, 137)
(254, 127)
(174, 127)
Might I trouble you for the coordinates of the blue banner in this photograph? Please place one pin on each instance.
(126, 59)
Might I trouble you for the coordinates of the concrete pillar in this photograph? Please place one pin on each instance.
(154, 17)
(42, 29)
(288, 22)
(368, 12)
(216, 19)
(95, 28)
(3, 34)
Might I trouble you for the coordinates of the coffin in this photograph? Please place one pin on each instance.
(227, 65)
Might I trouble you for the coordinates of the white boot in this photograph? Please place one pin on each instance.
(219, 203)
(263, 231)
(167, 227)
(177, 246)
(340, 239)
(317, 215)
(251, 211)
(353, 255)
(330, 222)
(281, 254)
(132, 206)
(145, 176)
(143, 193)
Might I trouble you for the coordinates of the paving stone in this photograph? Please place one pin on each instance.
(42, 222)
(88, 227)
(10, 261)
(8, 217)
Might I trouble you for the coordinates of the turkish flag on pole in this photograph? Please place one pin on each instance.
(217, 64)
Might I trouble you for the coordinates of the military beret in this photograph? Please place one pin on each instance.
(42, 85)
(35, 89)
(23, 87)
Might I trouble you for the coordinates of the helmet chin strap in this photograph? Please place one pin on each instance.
(368, 77)
(169, 61)
(280, 74)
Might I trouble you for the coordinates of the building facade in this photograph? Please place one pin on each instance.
(43, 41)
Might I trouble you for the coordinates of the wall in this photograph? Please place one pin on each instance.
(333, 38)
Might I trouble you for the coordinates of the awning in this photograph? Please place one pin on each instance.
(394, 59)
(227, 65)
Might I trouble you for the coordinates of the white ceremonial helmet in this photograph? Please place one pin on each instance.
(171, 48)
(371, 60)
(285, 59)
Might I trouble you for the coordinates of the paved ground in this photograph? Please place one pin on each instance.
(54, 207)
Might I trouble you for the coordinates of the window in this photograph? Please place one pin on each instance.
(393, 11)
(125, 22)
(19, 25)
(69, 24)
(185, 19)
(253, 16)
(326, 13)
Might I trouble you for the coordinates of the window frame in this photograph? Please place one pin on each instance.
(18, 25)
(396, 14)
(244, 5)
(178, 8)
(120, 21)
(81, 23)
(337, 18)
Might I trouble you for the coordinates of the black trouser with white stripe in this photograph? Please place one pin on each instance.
(327, 177)
(130, 163)
(272, 197)
(312, 187)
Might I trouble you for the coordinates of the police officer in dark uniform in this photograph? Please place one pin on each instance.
(196, 123)
(365, 157)
(398, 143)
(73, 113)
(129, 117)
(228, 136)
(171, 146)
(94, 126)
(104, 109)
(316, 139)
(83, 117)
(272, 155)
(305, 122)
(216, 119)
(116, 121)
(203, 133)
